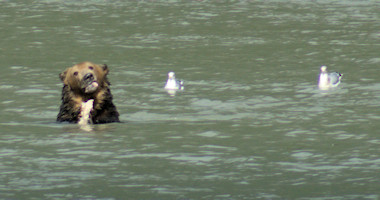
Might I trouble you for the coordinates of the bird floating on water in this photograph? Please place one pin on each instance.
(328, 80)
(172, 83)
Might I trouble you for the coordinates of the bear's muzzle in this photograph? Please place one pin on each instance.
(89, 83)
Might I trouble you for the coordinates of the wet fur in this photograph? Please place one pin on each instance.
(73, 95)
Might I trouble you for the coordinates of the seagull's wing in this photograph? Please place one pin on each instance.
(334, 78)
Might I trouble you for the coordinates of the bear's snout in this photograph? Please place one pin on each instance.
(88, 77)
(89, 83)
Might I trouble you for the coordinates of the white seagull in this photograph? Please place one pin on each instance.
(328, 80)
(172, 83)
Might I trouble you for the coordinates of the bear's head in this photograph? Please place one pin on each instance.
(85, 77)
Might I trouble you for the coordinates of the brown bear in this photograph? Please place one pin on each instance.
(82, 82)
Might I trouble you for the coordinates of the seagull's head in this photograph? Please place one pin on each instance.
(323, 68)
(171, 75)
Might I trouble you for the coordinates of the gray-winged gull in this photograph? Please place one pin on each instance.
(172, 83)
(328, 80)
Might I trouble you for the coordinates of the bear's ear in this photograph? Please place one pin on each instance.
(62, 75)
(105, 69)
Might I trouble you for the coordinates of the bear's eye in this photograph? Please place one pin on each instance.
(91, 67)
(75, 73)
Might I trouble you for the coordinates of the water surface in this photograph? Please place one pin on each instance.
(250, 124)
